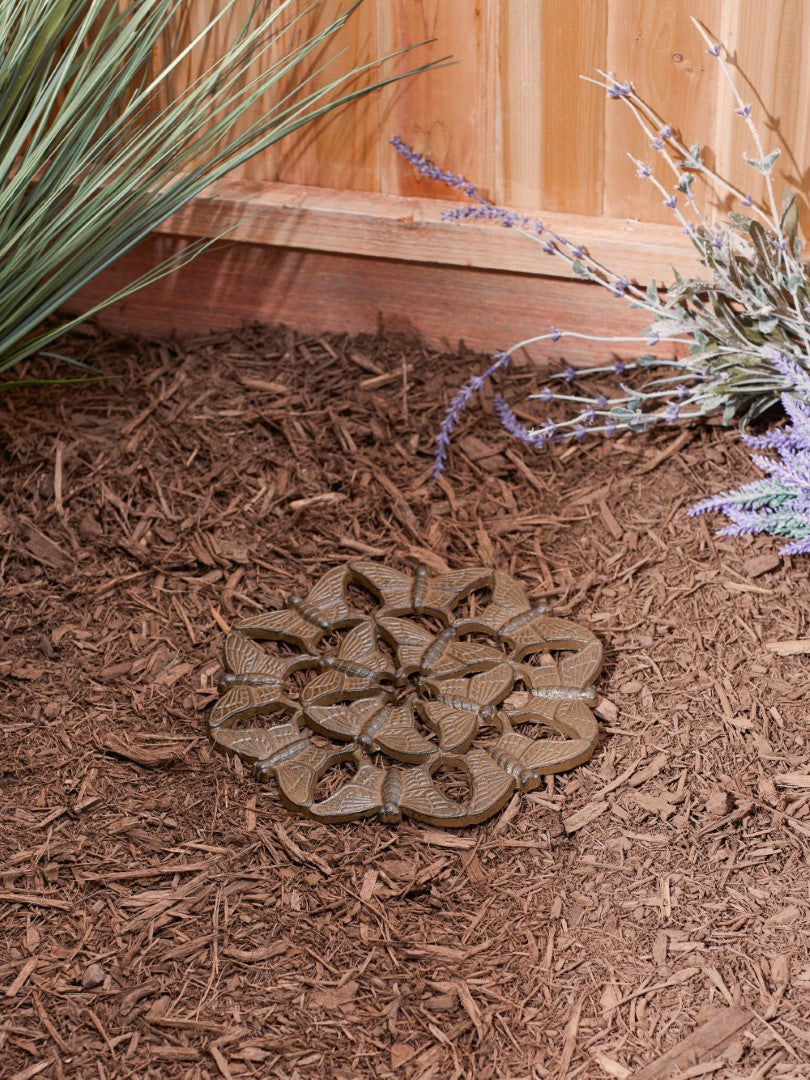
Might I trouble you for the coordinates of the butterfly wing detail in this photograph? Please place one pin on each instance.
(477, 692)
(246, 662)
(259, 746)
(445, 591)
(286, 625)
(490, 787)
(360, 648)
(409, 640)
(508, 601)
(421, 799)
(569, 679)
(528, 759)
(245, 702)
(454, 728)
(345, 721)
(328, 598)
(396, 733)
(548, 632)
(355, 673)
(360, 796)
(305, 622)
(392, 586)
(462, 657)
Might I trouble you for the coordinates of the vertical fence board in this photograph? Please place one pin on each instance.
(769, 63)
(573, 129)
(341, 150)
(447, 114)
(520, 86)
(655, 47)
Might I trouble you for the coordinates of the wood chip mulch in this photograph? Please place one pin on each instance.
(164, 916)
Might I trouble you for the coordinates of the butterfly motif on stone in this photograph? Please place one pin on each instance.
(304, 622)
(374, 724)
(420, 593)
(357, 671)
(264, 747)
(418, 650)
(253, 681)
(409, 693)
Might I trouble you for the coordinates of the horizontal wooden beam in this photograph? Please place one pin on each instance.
(318, 291)
(411, 229)
(347, 261)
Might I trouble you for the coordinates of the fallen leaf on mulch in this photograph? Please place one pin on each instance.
(152, 757)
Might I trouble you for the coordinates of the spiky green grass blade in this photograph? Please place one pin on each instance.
(96, 149)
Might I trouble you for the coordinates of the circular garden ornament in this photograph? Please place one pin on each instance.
(413, 686)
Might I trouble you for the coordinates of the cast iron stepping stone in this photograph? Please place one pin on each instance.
(409, 690)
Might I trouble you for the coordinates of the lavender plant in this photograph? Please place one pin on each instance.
(779, 504)
(749, 309)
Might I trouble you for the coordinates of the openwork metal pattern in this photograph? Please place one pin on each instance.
(501, 693)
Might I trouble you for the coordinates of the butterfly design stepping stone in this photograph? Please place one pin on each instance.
(405, 693)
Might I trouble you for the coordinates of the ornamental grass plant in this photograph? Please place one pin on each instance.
(745, 323)
(98, 146)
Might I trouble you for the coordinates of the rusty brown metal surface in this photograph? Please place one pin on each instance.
(406, 693)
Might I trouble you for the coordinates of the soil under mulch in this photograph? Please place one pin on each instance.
(163, 915)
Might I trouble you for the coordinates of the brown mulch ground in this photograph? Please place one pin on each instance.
(164, 916)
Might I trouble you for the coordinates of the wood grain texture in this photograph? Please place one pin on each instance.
(768, 58)
(655, 47)
(512, 113)
(317, 291)
(573, 125)
(401, 227)
(450, 114)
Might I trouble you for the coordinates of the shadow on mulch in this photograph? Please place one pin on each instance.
(164, 916)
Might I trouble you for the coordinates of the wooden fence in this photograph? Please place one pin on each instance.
(513, 115)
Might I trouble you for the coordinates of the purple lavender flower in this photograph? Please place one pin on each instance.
(550, 247)
(643, 171)
(579, 432)
(427, 168)
(671, 202)
(715, 49)
(657, 144)
(568, 373)
(578, 252)
(746, 201)
(601, 402)
(457, 407)
(779, 503)
(619, 90)
(619, 368)
(744, 111)
(665, 132)
(672, 413)
(620, 286)
(546, 395)
(511, 424)
(554, 334)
